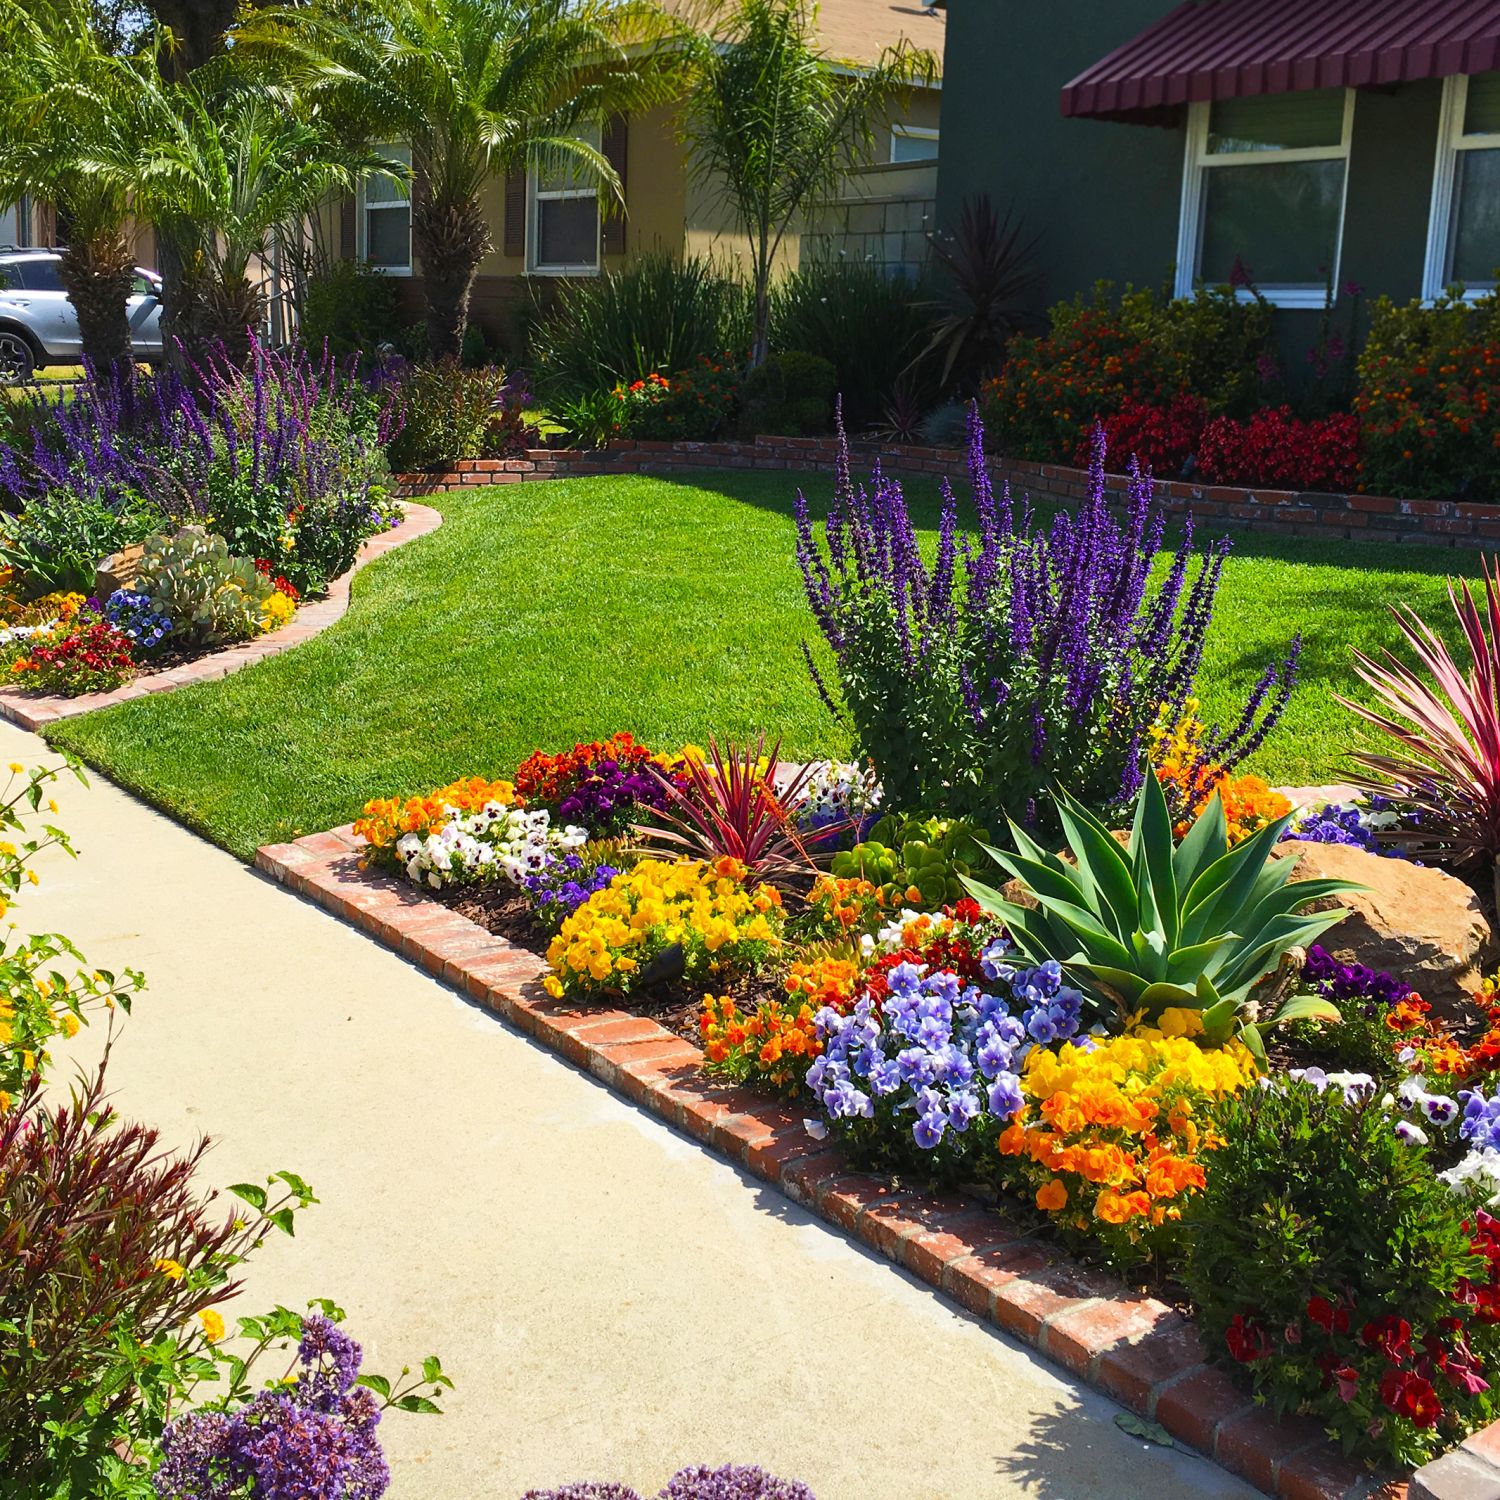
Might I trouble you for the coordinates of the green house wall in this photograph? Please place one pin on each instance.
(1104, 196)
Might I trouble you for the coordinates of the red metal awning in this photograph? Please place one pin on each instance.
(1230, 49)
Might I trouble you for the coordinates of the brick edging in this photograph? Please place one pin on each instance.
(33, 710)
(1134, 1349)
(1432, 523)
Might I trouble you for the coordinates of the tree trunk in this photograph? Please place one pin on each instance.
(451, 240)
(232, 316)
(97, 273)
(197, 26)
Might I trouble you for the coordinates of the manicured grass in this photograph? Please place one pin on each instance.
(547, 613)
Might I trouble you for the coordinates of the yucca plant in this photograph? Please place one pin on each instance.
(1197, 925)
(736, 802)
(1444, 772)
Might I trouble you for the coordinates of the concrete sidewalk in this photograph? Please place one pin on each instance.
(612, 1300)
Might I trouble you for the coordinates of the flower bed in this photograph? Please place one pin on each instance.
(156, 521)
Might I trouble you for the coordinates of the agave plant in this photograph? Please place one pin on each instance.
(1444, 772)
(1197, 925)
(736, 802)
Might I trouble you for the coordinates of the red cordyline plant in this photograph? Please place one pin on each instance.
(109, 1251)
(1444, 774)
(735, 802)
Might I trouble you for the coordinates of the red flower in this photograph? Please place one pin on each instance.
(1391, 1335)
(1347, 1379)
(1408, 1395)
(1247, 1340)
(1322, 1312)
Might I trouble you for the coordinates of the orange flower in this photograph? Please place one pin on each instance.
(1052, 1196)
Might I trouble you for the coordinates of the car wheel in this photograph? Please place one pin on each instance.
(17, 361)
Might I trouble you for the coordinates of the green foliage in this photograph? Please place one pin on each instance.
(694, 405)
(1429, 399)
(869, 326)
(1318, 1220)
(352, 307)
(56, 543)
(446, 413)
(791, 395)
(1197, 925)
(210, 597)
(774, 124)
(915, 852)
(656, 316)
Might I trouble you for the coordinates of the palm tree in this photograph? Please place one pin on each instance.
(773, 124)
(228, 165)
(71, 132)
(476, 89)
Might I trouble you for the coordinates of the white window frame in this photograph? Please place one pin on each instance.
(913, 133)
(1197, 163)
(363, 208)
(535, 194)
(1437, 265)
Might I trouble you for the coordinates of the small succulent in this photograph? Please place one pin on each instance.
(910, 852)
(211, 597)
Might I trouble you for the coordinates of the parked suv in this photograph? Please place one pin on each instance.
(39, 327)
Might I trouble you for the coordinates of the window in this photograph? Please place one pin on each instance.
(1264, 187)
(1463, 231)
(913, 143)
(564, 217)
(385, 217)
(37, 275)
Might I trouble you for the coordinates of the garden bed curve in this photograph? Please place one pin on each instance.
(34, 710)
(1372, 518)
(1136, 1349)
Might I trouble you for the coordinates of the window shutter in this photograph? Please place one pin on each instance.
(615, 146)
(348, 245)
(515, 212)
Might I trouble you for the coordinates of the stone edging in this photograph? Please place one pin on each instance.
(1433, 523)
(1135, 1349)
(33, 710)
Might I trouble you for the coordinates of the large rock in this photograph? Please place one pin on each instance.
(118, 571)
(1422, 925)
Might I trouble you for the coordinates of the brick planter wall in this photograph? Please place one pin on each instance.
(1433, 523)
(1135, 1349)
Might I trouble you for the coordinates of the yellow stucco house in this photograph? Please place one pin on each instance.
(544, 230)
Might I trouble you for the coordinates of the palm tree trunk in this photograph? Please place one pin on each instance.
(233, 313)
(97, 273)
(450, 239)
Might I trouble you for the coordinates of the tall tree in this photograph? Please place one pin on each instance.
(72, 125)
(773, 124)
(476, 88)
(198, 29)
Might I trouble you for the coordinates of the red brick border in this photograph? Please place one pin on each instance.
(1433, 523)
(33, 710)
(1135, 1349)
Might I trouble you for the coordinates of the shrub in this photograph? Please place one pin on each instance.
(871, 327)
(1340, 1275)
(790, 395)
(1429, 399)
(655, 316)
(978, 681)
(92, 657)
(694, 405)
(1161, 439)
(62, 535)
(1158, 926)
(352, 308)
(661, 921)
(446, 412)
(1108, 1141)
(210, 597)
(1275, 448)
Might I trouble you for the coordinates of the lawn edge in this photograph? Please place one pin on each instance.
(1136, 1350)
(34, 711)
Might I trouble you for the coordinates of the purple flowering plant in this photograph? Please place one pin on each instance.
(697, 1482)
(926, 1078)
(567, 880)
(1023, 654)
(309, 1435)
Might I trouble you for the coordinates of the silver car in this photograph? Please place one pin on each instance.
(38, 326)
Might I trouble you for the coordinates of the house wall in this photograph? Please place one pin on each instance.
(1106, 197)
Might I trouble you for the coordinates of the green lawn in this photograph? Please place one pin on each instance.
(547, 613)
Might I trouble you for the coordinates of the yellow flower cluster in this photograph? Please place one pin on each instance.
(385, 819)
(1108, 1140)
(276, 611)
(1176, 751)
(704, 909)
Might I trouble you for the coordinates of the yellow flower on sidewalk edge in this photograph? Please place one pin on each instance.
(213, 1325)
(173, 1270)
